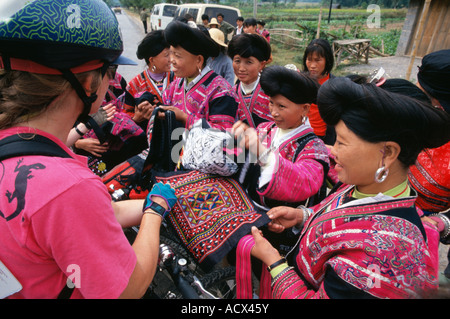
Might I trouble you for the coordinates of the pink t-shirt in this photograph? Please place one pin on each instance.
(56, 222)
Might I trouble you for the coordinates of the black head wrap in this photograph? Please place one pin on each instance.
(247, 45)
(377, 115)
(405, 87)
(191, 39)
(434, 76)
(152, 45)
(296, 87)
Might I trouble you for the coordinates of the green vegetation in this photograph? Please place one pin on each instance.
(294, 24)
(345, 23)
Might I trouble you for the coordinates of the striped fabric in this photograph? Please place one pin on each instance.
(430, 177)
(244, 287)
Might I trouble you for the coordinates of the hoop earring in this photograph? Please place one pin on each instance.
(153, 68)
(383, 171)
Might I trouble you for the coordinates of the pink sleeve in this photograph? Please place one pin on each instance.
(80, 232)
(288, 285)
(294, 182)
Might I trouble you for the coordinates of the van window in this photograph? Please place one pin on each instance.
(181, 12)
(156, 10)
(230, 16)
(169, 11)
(193, 12)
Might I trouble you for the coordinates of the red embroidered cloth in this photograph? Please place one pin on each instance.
(211, 215)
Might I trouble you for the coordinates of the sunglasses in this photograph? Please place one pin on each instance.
(112, 70)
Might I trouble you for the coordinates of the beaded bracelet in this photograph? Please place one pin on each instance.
(307, 212)
(446, 221)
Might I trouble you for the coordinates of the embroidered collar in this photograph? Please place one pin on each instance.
(249, 88)
(399, 191)
(188, 84)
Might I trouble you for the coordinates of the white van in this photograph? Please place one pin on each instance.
(196, 10)
(162, 14)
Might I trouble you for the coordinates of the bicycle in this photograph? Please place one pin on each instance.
(179, 275)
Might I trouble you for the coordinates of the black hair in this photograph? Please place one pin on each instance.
(188, 16)
(153, 44)
(357, 78)
(434, 76)
(240, 19)
(323, 49)
(405, 87)
(220, 14)
(376, 115)
(297, 87)
(193, 40)
(205, 17)
(250, 21)
(261, 22)
(247, 45)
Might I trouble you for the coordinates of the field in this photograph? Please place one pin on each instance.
(293, 27)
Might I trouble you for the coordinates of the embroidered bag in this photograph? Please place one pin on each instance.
(135, 173)
(206, 150)
(211, 215)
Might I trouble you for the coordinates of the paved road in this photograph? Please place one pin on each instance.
(132, 34)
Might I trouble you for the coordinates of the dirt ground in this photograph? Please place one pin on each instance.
(395, 66)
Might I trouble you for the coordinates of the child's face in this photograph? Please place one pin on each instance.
(287, 114)
(249, 28)
(247, 69)
(316, 65)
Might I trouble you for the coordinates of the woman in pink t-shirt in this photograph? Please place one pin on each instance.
(57, 224)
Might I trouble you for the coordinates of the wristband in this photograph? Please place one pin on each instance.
(156, 208)
(78, 131)
(277, 263)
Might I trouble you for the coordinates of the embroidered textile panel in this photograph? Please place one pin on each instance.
(211, 215)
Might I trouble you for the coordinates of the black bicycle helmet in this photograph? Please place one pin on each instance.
(60, 37)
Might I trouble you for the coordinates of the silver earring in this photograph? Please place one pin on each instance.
(153, 68)
(304, 119)
(381, 174)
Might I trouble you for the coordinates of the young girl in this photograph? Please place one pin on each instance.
(250, 54)
(318, 61)
(293, 161)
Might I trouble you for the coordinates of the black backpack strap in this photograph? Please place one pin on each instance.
(14, 145)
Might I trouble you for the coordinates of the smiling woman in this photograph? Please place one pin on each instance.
(250, 54)
(190, 49)
(379, 135)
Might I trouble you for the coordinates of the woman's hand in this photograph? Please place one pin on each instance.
(284, 217)
(92, 145)
(263, 250)
(179, 114)
(143, 111)
(110, 110)
(248, 138)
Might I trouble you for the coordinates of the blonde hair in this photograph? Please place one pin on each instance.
(25, 95)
